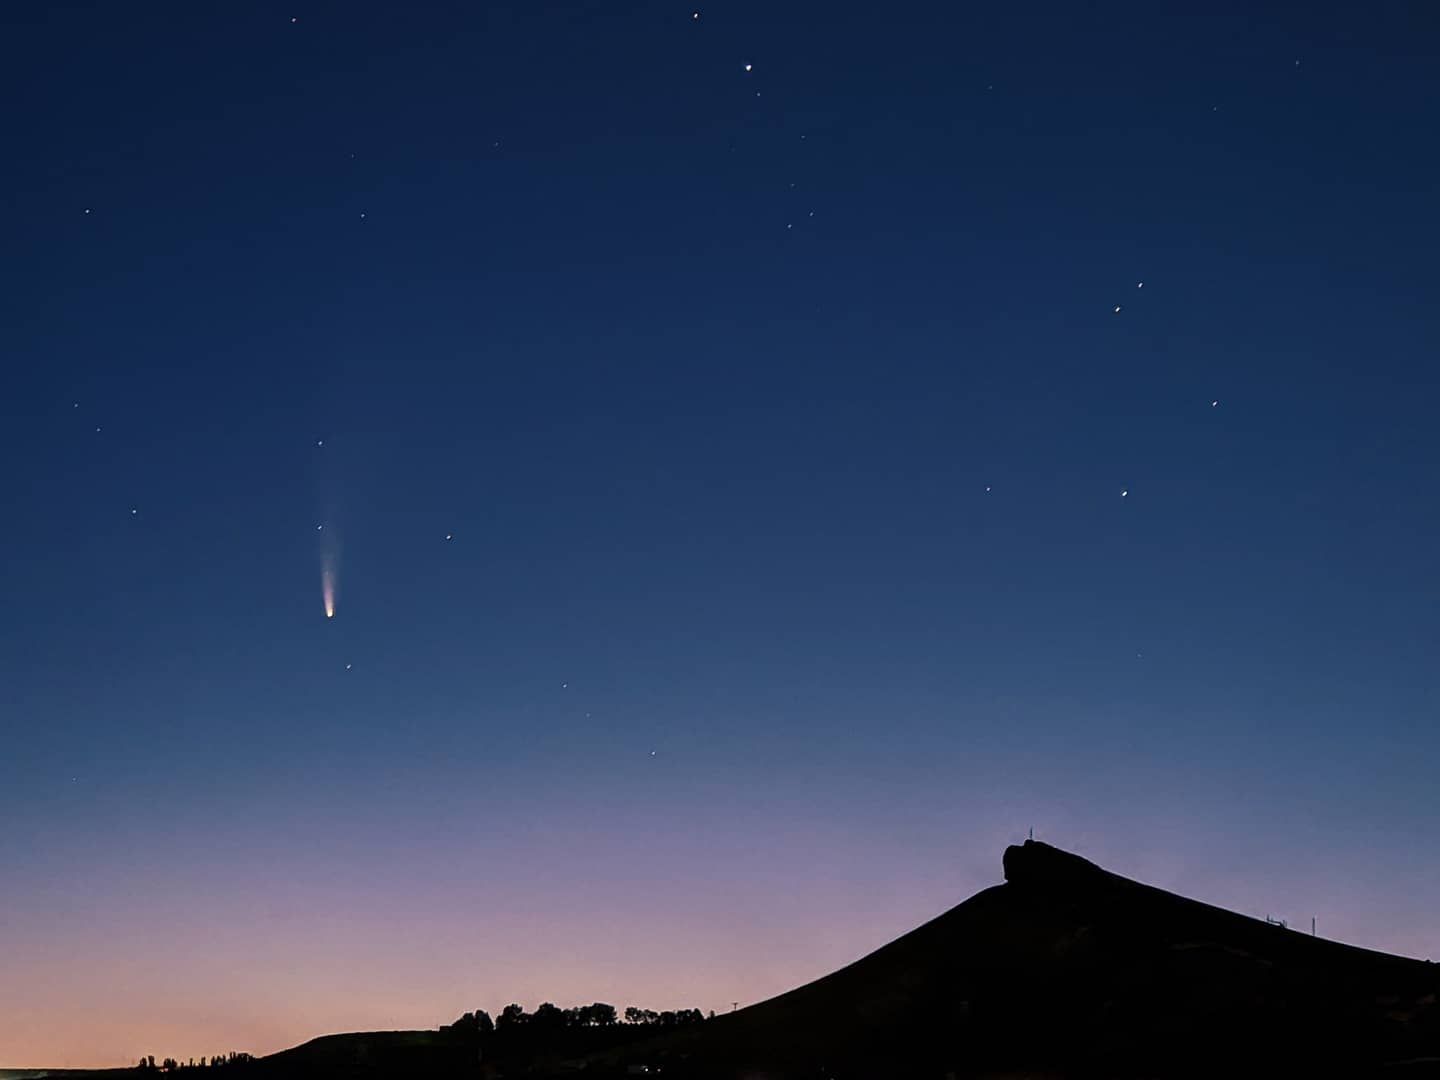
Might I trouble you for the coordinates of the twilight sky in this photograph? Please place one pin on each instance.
(759, 486)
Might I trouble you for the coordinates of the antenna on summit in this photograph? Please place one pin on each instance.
(1032, 833)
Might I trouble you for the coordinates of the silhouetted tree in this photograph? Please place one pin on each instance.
(472, 1023)
(597, 1015)
(512, 1016)
(548, 1017)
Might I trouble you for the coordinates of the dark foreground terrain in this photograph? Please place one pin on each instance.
(1063, 971)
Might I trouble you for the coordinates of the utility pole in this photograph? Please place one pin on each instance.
(1312, 925)
(734, 1005)
(1032, 833)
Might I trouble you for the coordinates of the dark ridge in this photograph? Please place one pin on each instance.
(1070, 970)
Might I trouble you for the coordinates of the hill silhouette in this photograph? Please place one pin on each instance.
(1069, 970)
(1065, 970)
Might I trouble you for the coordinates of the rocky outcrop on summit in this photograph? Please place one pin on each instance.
(1033, 864)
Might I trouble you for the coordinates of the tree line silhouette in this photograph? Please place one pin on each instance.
(549, 1017)
(215, 1061)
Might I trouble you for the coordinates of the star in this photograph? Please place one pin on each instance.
(347, 667)
(564, 686)
(1139, 285)
(87, 210)
(987, 487)
(449, 536)
(1214, 404)
(748, 68)
(97, 429)
(293, 19)
(319, 442)
(134, 510)
(362, 215)
(318, 528)
(1125, 494)
(694, 15)
(75, 404)
(1117, 309)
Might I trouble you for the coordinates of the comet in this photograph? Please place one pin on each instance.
(329, 578)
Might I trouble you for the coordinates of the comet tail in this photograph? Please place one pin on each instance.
(328, 583)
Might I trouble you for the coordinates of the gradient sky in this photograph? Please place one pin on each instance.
(779, 422)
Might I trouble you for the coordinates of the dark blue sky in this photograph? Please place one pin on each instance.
(780, 420)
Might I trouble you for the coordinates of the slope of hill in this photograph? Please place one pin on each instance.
(373, 1053)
